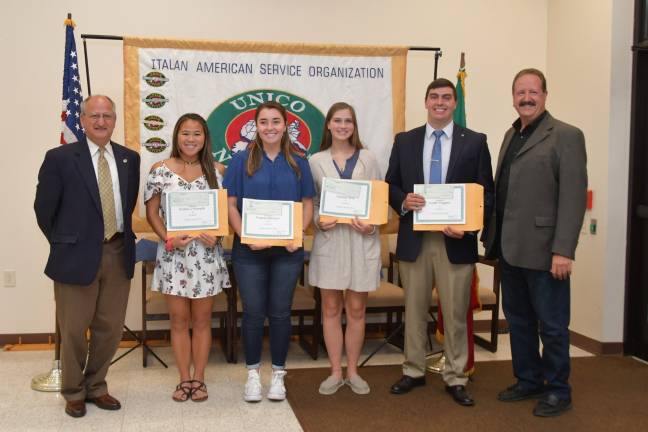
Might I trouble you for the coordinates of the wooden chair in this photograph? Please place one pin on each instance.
(389, 298)
(305, 304)
(154, 308)
(489, 299)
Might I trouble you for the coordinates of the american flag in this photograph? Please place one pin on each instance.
(71, 130)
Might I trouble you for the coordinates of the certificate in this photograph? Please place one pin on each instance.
(444, 204)
(267, 219)
(345, 198)
(192, 210)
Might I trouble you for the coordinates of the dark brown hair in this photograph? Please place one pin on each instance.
(205, 156)
(256, 146)
(327, 137)
(439, 83)
(531, 71)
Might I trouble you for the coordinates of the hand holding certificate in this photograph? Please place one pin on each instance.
(191, 213)
(346, 200)
(444, 204)
(459, 206)
(271, 223)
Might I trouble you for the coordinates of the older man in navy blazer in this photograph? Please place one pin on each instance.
(438, 152)
(84, 201)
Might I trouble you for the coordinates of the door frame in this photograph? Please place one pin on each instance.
(636, 300)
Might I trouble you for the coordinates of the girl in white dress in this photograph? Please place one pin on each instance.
(344, 256)
(189, 270)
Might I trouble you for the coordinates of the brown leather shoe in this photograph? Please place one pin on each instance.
(106, 402)
(75, 408)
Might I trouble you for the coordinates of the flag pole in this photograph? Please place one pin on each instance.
(436, 362)
(52, 381)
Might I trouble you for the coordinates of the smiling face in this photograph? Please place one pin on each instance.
(529, 98)
(341, 125)
(191, 139)
(98, 120)
(270, 126)
(440, 104)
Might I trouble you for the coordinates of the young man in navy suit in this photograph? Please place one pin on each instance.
(84, 201)
(438, 152)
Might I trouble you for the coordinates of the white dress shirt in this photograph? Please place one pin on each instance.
(446, 146)
(114, 176)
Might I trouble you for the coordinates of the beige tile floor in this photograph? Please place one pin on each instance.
(145, 394)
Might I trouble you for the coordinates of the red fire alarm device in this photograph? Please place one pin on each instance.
(590, 199)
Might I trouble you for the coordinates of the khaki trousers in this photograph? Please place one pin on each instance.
(432, 268)
(101, 308)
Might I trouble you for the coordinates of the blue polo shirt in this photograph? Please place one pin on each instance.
(274, 180)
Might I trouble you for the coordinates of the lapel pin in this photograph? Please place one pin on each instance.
(125, 160)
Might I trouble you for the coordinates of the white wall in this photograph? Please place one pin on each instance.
(499, 38)
(589, 79)
(618, 168)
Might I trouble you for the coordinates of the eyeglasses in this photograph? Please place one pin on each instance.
(105, 116)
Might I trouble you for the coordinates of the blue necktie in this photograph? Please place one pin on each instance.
(436, 166)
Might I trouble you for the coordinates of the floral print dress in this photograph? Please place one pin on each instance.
(197, 271)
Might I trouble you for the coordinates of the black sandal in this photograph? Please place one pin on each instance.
(187, 391)
(201, 387)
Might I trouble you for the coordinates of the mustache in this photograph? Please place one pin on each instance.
(527, 103)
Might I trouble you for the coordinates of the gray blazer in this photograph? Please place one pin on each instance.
(546, 199)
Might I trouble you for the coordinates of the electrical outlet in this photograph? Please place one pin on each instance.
(9, 278)
(592, 226)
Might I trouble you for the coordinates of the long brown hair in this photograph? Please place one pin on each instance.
(327, 137)
(205, 156)
(256, 146)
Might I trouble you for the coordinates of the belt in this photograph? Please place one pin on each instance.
(114, 237)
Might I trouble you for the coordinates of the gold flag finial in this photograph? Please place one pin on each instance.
(68, 21)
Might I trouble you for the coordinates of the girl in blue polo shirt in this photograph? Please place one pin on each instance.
(268, 169)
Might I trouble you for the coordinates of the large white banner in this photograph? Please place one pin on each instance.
(165, 79)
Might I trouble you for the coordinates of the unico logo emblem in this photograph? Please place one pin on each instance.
(232, 123)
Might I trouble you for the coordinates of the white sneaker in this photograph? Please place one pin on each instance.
(277, 390)
(253, 387)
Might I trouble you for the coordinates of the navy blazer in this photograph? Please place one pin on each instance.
(68, 210)
(470, 162)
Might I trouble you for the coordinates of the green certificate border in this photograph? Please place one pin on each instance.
(366, 183)
(170, 226)
(290, 236)
(462, 219)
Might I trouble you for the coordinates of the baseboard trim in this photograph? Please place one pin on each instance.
(48, 338)
(593, 346)
(483, 326)
(26, 338)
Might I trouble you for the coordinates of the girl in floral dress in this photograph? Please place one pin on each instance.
(190, 271)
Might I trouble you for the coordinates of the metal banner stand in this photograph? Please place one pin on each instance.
(399, 330)
(139, 343)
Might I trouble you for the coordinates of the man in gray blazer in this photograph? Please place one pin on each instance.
(540, 191)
